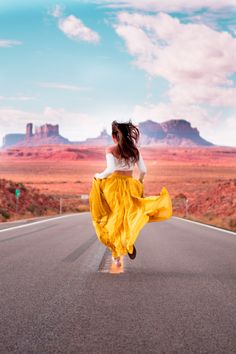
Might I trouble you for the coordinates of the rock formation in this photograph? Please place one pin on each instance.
(174, 132)
(46, 131)
(29, 130)
(102, 140)
(12, 139)
(44, 135)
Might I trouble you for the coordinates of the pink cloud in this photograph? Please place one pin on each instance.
(62, 86)
(196, 60)
(170, 5)
(74, 28)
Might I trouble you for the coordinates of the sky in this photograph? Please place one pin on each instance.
(82, 64)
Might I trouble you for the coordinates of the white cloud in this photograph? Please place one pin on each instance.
(208, 94)
(196, 60)
(225, 132)
(62, 86)
(17, 98)
(170, 5)
(211, 126)
(75, 29)
(73, 125)
(198, 116)
(57, 11)
(231, 122)
(9, 42)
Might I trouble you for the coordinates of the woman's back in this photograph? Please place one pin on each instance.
(121, 164)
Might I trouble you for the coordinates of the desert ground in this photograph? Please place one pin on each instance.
(201, 181)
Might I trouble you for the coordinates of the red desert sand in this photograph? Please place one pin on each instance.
(201, 180)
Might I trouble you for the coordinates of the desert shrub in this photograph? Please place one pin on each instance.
(22, 187)
(209, 215)
(11, 189)
(232, 222)
(35, 209)
(5, 214)
(11, 204)
(181, 196)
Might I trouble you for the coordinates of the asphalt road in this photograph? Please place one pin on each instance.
(59, 292)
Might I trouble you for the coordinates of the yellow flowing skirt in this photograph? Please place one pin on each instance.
(119, 210)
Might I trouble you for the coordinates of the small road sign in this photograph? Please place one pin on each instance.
(17, 193)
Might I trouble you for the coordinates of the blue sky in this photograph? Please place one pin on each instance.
(82, 64)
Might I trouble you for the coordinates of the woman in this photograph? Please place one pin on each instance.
(117, 204)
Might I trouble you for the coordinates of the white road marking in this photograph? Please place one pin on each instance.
(87, 212)
(41, 221)
(211, 226)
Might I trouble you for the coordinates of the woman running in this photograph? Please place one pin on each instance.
(118, 207)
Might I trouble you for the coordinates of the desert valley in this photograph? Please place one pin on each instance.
(201, 180)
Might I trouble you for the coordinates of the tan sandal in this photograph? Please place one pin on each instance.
(116, 260)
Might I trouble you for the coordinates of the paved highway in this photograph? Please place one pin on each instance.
(59, 292)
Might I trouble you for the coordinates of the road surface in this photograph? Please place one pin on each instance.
(59, 292)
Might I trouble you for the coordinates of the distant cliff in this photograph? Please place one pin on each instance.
(102, 140)
(174, 132)
(44, 135)
(12, 139)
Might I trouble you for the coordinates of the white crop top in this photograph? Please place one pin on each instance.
(114, 164)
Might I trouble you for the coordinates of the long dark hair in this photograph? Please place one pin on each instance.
(127, 136)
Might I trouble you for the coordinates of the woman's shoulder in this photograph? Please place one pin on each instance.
(109, 149)
(112, 150)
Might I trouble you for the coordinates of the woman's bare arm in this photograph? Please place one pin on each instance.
(142, 167)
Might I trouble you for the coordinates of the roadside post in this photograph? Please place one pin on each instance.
(186, 207)
(17, 194)
(60, 205)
